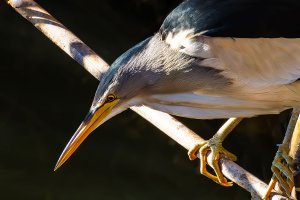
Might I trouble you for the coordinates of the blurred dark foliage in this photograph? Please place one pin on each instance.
(44, 95)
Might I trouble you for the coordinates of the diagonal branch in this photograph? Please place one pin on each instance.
(95, 65)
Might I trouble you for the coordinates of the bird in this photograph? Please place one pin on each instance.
(210, 59)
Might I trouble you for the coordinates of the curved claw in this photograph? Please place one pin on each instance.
(282, 173)
(271, 186)
(216, 149)
(278, 167)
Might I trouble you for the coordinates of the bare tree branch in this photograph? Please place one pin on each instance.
(94, 64)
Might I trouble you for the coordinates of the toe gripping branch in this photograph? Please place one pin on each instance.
(295, 154)
(282, 172)
(216, 149)
(96, 66)
(296, 174)
(285, 166)
(214, 145)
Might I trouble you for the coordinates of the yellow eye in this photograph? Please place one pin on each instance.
(110, 98)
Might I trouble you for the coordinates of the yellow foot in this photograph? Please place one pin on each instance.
(282, 172)
(215, 146)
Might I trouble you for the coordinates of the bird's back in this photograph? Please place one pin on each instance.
(253, 43)
(219, 32)
(236, 18)
(219, 59)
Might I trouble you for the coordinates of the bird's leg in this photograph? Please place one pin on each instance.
(215, 146)
(282, 163)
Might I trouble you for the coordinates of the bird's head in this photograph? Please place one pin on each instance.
(119, 89)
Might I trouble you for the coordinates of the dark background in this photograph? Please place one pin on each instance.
(44, 95)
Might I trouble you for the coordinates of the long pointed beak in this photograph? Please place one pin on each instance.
(93, 119)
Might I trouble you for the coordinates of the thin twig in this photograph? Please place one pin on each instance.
(75, 48)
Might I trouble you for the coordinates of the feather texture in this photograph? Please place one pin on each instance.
(235, 18)
(214, 59)
(259, 62)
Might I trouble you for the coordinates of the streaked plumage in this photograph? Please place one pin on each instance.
(216, 77)
(210, 59)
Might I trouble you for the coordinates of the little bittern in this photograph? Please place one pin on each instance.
(210, 59)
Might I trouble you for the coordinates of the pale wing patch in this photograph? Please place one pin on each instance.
(257, 62)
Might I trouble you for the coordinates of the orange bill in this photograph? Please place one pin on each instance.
(89, 124)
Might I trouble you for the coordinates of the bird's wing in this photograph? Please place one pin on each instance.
(240, 37)
(252, 61)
